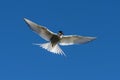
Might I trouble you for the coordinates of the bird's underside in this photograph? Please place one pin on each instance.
(56, 39)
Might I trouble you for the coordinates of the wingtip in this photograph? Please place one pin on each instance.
(94, 37)
(29, 22)
(25, 19)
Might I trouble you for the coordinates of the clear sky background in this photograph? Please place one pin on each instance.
(97, 60)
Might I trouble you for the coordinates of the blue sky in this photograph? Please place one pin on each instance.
(97, 60)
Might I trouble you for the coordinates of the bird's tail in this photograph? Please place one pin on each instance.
(48, 46)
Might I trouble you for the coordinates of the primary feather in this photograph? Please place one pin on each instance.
(40, 30)
(74, 39)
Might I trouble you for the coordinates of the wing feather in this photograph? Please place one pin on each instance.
(74, 39)
(42, 31)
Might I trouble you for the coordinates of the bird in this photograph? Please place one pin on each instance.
(54, 40)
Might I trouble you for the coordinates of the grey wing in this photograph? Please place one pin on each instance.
(42, 31)
(74, 39)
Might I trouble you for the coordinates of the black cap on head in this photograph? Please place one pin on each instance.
(60, 32)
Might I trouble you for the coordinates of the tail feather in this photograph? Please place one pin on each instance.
(56, 49)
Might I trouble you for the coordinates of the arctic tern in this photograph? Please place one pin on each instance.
(56, 39)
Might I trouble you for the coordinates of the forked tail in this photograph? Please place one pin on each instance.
(48, 46)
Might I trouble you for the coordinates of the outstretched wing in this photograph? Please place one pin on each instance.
(42, 31)
(74, 39)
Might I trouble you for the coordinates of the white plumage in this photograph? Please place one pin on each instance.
(56, 39)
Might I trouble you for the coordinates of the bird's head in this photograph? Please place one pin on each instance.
(60, 33)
